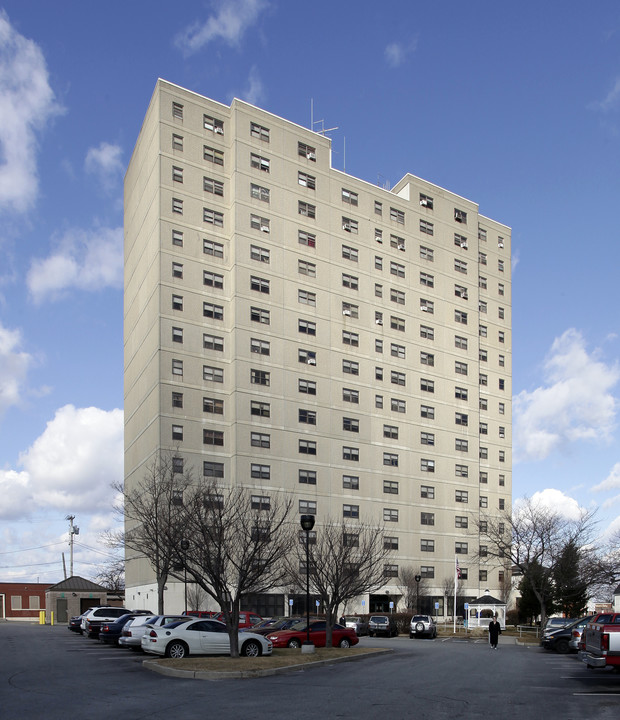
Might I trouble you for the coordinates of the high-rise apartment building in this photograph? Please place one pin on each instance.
(291, 327)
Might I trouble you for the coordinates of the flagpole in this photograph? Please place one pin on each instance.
(456, 580)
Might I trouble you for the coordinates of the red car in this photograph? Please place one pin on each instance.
(341, 636)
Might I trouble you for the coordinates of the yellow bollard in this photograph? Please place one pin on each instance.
(42, 617)
(52, 614)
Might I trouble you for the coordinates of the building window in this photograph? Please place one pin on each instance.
(427, 518)
(484, 477)
(350, 482)
(306, 327)
(213, 155)
(484, 502)
(307, 447)
(177, 142)
(427, 359)
(306, 387)
(307, 416)
(502, 480)
(177, 238)
(460, 368)
(399, 406)
(349, 310)
(461, 419)
(350, 281)
(306, 268)
(213, 406)
(427, 253)
(460, 548)
(427, 385)
(212, 374)
(398, 243)
(398, 269)
(390, 571)
(307, 477)
(260, 223)
(306, 151)
(461, 471)
(379, 402)
(398, 378)
(390, 431)
(427, 227)
(349, 225)
(177, 367)
(213, 125)
(427, 280)
(213, 311)
(427, 465)
(427, 545)
(390, 459)
(427, 306)
(257, 192)
(177, 206)
(177, 174)
(212, 279)
(177, 111)
(427, 491)
(259, 315)
(177, 399)
(378, 208)
(261, 440)
(260, 502)
(390, 515)
(306, 356)
(177, 270)
(306, 180)
(213, 217)
(484, 453)
(352, 511)
(390, 543)
(350, 424)
(260, 377)
(306, 238)
(261, 409)
(350, 396)
(349, 338)
(306, 209)
(502, 456)
(397, 296)
(397, 323)
(260, 163)
(350, 253)
(259, 284)
(350, 367)
(397, 216)
(428, 412)
(260, 472)
(177, 335)
(260, 254)
(213, 469)
(460, 216)
(397, 350)
(350, 197)
(261, 347)
(427, 332)
(461, 393)
(213, 248)
(177, 432)
(306, 298)
(460, 291)
(213, 342)
(460, 317)
(461, 445)
(461, 496)
(427, 572)
(427, 438)
(351, 453)
(259, 132)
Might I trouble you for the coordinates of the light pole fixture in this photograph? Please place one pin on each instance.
(307, 523)
(417, 579)
(185, 548)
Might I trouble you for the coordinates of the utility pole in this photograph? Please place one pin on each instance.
(73, 530)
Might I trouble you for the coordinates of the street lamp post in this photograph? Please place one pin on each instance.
(185, 548)
(417, 579)
(307, 523)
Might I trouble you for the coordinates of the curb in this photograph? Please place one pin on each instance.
(154, 666)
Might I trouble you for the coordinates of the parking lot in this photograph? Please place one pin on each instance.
(48, 672)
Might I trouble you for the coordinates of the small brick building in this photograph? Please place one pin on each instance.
(74, 596)
(22, 601)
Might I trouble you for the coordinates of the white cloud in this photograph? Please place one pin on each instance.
(611, 482)
(611, 99)
(556, 501)
(69, 467)
(27, 102)
(85, 260)
(105, 162)
(14, 365)
(254, 93)
(229, 23)
(396, 52)
(575, 404)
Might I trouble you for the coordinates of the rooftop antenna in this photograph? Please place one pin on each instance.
(73, 530)
(383, 182)
(314, 122)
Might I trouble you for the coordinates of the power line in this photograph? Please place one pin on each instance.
(40, 547)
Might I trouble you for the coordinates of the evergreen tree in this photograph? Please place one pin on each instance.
(570, 587)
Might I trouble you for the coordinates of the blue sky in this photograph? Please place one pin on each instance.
(514, 106)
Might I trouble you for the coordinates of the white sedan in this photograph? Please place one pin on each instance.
(200, 637)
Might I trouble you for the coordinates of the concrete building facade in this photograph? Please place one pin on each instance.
(291, 327)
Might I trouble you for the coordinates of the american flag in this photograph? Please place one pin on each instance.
(458, 568)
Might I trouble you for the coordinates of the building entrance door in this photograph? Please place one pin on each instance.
(61, 611)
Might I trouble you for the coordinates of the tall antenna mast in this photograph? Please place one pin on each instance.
(73, 530)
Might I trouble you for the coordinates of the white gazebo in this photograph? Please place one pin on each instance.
(480, 611)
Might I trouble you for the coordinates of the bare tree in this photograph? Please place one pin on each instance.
(151, 509)
(196, 597)
(112, 576)
(237, 545)
(346, 561)
(533, 538)
(412, 590)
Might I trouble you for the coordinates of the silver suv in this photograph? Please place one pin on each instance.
(422, 625)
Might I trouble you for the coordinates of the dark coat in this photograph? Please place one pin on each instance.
(495, 630)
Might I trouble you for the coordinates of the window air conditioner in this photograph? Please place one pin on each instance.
(423, 308)
(311, 361)
(500, 244)
(379, 240)
(464, 245)
(378, 322)
(346, 226)
(424, 203)
(401, 246)
(219, 130)
(264, 228)
(346, 312)
(311, 155)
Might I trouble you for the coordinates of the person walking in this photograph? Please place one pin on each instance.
(495, 630)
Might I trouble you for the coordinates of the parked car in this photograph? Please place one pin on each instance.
(577, 630)
(295, 636)
(134, 630)
(382, 625)
(422, 625)
(201, 613)
(200, 637)
(555, 623)
(246, 619)
(93, 619)
(559, 640)
(268, 626)
(110, 632)
(357, 623)
(75, 623)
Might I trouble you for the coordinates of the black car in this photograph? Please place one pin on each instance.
(559, 640)
(382, 625)
(75, 623)
(111, 631)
